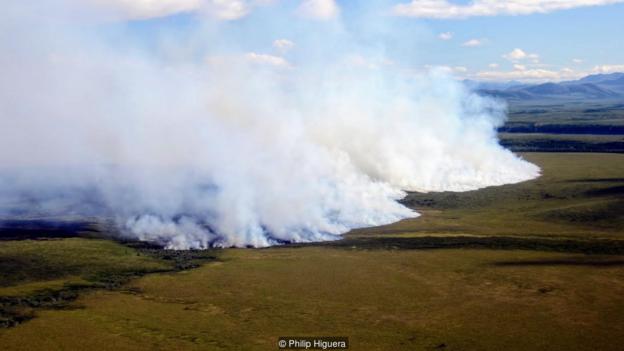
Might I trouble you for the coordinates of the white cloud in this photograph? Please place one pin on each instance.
(460, 69)
(455, 70)
(283, 45)
(493, 65)
(533, 74)
(252, 58)
(445, 36)
(144, 9)
(265, 59)
(227, 9)
(473, 43)
(446, 9)
(608, 69)
(577, 61)
(529, 75)
(318, 9)
(517, 55)
(132, 9)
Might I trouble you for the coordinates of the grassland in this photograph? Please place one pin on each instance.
(51, 273)
(565, 127)
(381, 299)
(517, 267)
(568, 117)
(532, 142)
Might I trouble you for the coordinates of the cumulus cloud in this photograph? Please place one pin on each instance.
(265, 59)
(145, 9)
(443, 9)
(445, 36)
(519, 55)
(283, 45)
(457, 71)
(228, 9)
(318, 9)
(522, 73)
(472, 43)
(536, 74)
(131, 9)
(608, 68)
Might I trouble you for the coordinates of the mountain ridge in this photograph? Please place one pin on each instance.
(591, 87)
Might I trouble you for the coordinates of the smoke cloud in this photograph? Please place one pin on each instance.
(200, 133)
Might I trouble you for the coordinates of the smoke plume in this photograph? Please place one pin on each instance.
(256, 131)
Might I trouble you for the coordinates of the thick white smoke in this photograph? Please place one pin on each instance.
(204, 142)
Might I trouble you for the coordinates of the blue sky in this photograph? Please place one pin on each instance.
(484, 39)
(595, 35)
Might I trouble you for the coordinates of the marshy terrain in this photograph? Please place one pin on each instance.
(565, 127)
(537, 265)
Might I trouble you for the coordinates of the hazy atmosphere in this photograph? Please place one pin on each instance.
(194, 139)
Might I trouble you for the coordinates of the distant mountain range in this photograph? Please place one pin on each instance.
(593, 87)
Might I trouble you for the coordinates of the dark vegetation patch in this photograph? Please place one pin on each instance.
(444, 200)
(606, 214)
(97, 264)
(549, 145)
(591, 247)
(15, 269)
(15, 310)
(609, 191)
(588, 261)
(180, 259)
(482, 198)
(596, 113)
(29, 229)
(596, 180)
(569, 128)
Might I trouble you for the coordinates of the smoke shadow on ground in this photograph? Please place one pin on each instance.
(567, 261)
(612, 190)
(596, 180)
(35, 229)
(593, 247)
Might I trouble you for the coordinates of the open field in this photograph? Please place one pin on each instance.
(564, 127)
(381, 299)
(537, 265)
(531, 142)
(51, 273)
(566, 118)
